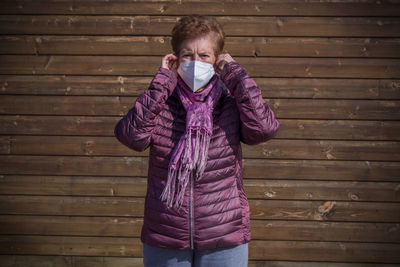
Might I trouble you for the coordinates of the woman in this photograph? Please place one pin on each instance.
(198, 108)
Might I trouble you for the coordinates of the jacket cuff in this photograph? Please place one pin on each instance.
(167, 79)
(232, 74)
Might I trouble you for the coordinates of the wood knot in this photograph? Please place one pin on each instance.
(353, 196)
(327, 209)
(270, 194)
(256, 52)
(279, 22)
(162, 9)
(397, 189)
(88, 148)
(395, 85)
(121, 80)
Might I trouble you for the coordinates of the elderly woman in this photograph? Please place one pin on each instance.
(198, 108)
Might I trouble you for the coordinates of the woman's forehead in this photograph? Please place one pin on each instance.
(201, 43)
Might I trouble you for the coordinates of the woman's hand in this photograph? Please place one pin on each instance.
(221, 61)
(168, 62)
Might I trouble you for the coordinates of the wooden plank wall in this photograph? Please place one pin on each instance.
(325, 192)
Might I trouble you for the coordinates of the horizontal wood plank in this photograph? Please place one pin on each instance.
(260, 209)
(290, 129)
(55, 245)
(255, 188)
(78, 226)
(256, 67)
(272, 149)
(326, 251)
(314, 88)
(233, 26)
(252, 168)
(332, 150)
(71, 261)
(73, 185)
(322, 190)
(209, 7)
(324, 210)
(258, 250)
(61, 125)
(324, 231)
(133, 86)
(236, 46)
(260, 229)
(283, 108)
(72, 206)
(4, 145)
(326, 170)
(99, 261)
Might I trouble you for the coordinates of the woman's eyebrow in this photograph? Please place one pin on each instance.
(186, 50)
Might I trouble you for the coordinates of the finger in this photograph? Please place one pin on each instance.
(170, 64)
(171, 57)
(166, 61)
(219, 58)
(172, 60)
(221, 65)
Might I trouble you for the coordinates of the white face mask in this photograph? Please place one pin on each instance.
(196, 74)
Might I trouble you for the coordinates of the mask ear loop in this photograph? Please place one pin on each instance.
(221, 64)
(220, 67)
(174, 65)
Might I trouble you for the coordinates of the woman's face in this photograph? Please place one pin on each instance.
(200, 49)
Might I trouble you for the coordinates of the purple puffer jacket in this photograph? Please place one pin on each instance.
(215, 211)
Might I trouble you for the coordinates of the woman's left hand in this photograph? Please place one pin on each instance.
(222, 60)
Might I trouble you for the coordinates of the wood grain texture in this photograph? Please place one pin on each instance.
(258, 250)
(160, 45)
(290, 128)
(256, 67)
(324, 192)
(255, 188)
(86, 261)
(272, 149)
(260, 209)
(283, 108)
(209, 7)
(233, 25)
(304, 88)
(252, 168)
(261, 229)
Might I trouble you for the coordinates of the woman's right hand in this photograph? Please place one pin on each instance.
(168, 62)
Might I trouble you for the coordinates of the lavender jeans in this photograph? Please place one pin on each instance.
(236, 256)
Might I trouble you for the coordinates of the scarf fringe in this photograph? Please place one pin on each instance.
(181, 175)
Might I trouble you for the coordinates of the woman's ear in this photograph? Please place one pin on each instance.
(175, 65)
(175, 62)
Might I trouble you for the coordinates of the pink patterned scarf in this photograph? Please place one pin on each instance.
(189, 156)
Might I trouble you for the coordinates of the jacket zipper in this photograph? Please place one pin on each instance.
(191, 212)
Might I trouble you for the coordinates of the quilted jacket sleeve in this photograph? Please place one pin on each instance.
(135, 128)
(257, 120)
